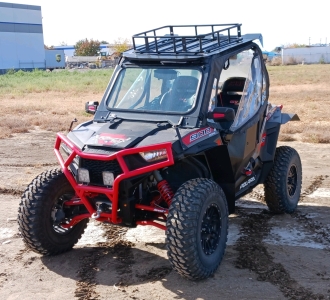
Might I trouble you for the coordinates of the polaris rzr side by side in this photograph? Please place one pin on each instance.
(183, 130)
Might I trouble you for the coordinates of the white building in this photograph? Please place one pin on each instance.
(308, 55)
(21, 37)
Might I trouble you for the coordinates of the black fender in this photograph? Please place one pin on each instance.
(278, 117)
(272, 130)
(285, 118)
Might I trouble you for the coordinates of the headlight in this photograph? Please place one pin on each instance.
(155, 155)
(83, 175)
(108, 178)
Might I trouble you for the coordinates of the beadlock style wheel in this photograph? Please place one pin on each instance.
(283, 183)
(41, 213)
(197, 228)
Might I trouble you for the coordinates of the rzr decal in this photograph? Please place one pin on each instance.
(248, 182)
(198, 134)
(111, 139)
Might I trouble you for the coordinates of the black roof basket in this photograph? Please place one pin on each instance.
(201, 39)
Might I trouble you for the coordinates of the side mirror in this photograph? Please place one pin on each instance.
(221, 114)
(91, 107)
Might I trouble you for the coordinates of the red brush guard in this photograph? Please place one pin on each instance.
(85, 191)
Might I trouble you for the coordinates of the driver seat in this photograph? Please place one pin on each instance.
(181, 95)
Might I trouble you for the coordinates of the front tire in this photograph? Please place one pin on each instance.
(41, 203)
(197, 228)
(283, 184)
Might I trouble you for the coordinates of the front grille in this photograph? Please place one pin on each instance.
(99, 150)
(96, 167)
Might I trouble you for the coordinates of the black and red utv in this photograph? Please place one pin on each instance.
(183, 130)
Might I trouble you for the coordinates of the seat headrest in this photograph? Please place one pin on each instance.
(187, 84)
(234, 84)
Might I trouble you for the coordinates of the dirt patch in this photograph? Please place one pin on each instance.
(155, 274)
(253, 255)
(12, 192)
(313, 186)
(320, 230)
(85, 286)
(88, 264)
(285, 255)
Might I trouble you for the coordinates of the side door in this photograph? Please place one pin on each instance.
(242, 87)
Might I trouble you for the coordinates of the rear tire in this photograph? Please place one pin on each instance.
(283, 184)
(37, 211)
(197, 228)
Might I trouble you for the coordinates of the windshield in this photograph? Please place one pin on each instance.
(155, 89)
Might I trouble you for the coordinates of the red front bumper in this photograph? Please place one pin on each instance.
(84, 191)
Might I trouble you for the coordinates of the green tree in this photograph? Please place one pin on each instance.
(87, 47)
(120, 45)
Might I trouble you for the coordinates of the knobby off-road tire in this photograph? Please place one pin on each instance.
(37, 211)
(197, 228)
(283, 184)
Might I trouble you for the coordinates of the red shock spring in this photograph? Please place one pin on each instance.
(165, 191)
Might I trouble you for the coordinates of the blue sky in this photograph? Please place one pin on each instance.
(280, 22)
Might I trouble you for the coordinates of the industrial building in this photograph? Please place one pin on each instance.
(22, 41)
(308, 55)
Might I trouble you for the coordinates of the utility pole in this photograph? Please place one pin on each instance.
(309, 40)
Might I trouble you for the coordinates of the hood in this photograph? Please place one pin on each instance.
(120, 135)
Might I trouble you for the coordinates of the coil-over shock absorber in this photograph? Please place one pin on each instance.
(164, 189)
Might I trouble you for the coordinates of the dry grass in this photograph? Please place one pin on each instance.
(276, 61)
(50, 111)
(49, 101)
(52, 100)
(299, 75)
(317, 132)
(287, 138)
(293, 61)
(304, 90)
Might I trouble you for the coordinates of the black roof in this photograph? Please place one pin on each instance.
(193, 41)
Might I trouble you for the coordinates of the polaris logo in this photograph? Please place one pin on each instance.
(201, 133)
(246, 183)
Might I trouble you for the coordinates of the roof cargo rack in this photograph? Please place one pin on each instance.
(187, 39)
